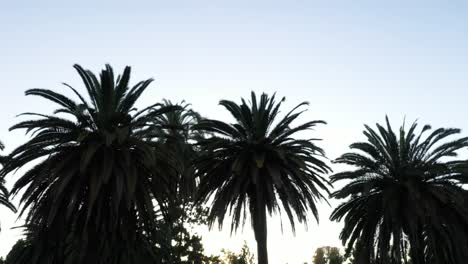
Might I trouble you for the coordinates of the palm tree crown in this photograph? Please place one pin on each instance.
(256, 165)
(91, 184)
(404, 195)
(176, 203)
(179, 143)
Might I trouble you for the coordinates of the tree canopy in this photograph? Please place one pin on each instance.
(405, 196)
(256, 165)
(102, 180)
(93, 174)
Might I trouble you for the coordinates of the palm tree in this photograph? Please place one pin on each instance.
(4, 194)
(90, 187)
(405, 196)
(256, 165)
(177, 210)
(179, 139)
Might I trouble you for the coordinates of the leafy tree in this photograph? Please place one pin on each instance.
(229, 257)
(319, 256)
(244, 257)
(256, 165)
(90, 190)
(334, 256)
(177, 242)
(405, 196)
(328, 255)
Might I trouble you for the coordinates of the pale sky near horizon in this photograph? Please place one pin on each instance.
(354, 61)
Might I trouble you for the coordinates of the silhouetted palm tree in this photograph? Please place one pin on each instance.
(178, 143)
(4, 194)
(91, 187)
(256, 165)
(179, 140)
(405, 195)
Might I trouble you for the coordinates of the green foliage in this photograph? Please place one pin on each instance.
(229, 257)
(319, 256)
(255, 165)
(328, 255)
(405, 196)
(90, 190)
(244, 257)
(334, 256)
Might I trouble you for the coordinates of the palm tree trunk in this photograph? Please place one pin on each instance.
(260, 230)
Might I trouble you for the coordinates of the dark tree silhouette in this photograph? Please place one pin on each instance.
(334, 255)
(405, 195)
(327, 255)
(357, 255)
(4, 194)
(255, 165)
(179, 213)
(319, 256)
(18, 253)
(243, 257)
(90, 190)
(178, 143)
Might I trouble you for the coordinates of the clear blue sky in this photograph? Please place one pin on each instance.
(355, 61)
